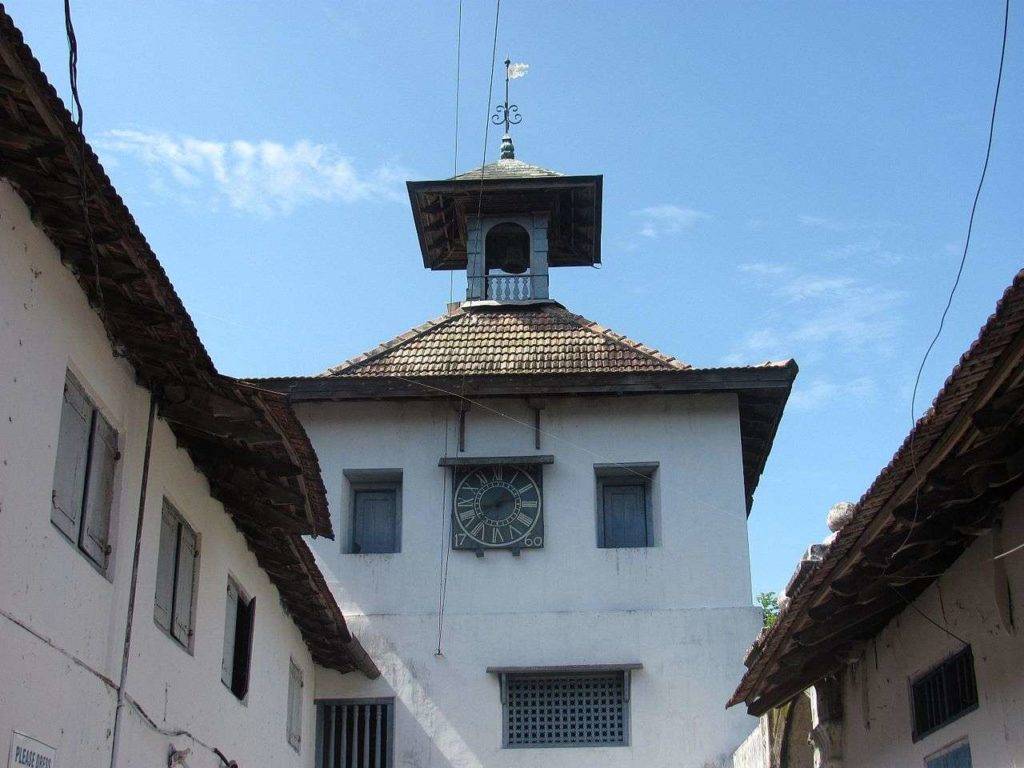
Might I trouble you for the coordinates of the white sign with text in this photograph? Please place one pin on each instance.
(26, 752)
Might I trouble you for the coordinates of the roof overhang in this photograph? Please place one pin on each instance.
(441, 209)
(912, 524)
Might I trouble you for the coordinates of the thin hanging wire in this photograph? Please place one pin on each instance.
(69, 28)
(487, 118)
(942, 322)
(455, 153)
(956, 281)
(446, 549)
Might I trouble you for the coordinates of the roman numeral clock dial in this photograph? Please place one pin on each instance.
(497, 507)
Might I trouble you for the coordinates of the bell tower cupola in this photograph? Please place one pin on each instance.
(508, 223)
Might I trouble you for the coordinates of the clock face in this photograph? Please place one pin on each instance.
(497, 507)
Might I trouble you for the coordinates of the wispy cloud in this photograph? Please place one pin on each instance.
(815, 316)
(818, 393)
(659, 220)
(262, 177)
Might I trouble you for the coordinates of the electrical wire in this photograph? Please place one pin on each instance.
(443, 592)
(455, 153)
(171, 732)
(959, 274)
(69, 29)
(942, 322)
(487, 117)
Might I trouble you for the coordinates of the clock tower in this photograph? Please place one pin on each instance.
(589, 602)
(508, 223)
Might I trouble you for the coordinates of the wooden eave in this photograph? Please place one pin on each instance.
(247, 441)
(917, 518)
(441, 208)
(762, 392)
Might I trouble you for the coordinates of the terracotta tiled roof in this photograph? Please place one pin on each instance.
(507, 340)
(508, 169)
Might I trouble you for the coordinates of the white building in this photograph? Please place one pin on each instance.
(899, 641)
(542, 524)
(157, 594)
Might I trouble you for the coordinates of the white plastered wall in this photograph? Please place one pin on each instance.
(46, 325)
(682, 608)
(877, 721)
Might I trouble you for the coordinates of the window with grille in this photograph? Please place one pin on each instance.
(355, 733)
(566, 710)
(944, 693)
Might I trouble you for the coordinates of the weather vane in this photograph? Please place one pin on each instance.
(509, 113)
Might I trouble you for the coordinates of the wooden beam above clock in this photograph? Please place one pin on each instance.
(490, 461)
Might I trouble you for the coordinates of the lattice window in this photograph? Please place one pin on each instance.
(566, 710)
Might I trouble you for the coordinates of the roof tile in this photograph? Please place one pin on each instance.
(507, 340)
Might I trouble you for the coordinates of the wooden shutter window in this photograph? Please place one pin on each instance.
(230, 622)
(166, 561)
(625, 515)
(184, 585)
(99, 495)
(239, 619)
(72, 455)
(243, 648)
(375, 524)
(294, 705)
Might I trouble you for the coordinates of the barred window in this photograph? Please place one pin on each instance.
(355, 733)
(944, 693)
(582, 709)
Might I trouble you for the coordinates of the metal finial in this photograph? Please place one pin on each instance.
(509, 115)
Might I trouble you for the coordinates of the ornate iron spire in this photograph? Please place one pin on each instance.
(509, 113)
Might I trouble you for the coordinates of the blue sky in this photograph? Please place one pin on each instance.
(781, 180)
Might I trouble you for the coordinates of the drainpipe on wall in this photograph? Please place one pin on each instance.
(134, 582)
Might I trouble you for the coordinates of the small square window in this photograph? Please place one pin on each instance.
(176, 577)
(83, 477)
(239, 619)
(624, 504)
(375, 516)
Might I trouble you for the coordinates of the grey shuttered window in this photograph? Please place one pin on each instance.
(624, 514)
(375, 519)
(624, 505)
(239, 617)
(294, 705)
(355, 733)
(566, 710)
(177, 566)
(83, 478)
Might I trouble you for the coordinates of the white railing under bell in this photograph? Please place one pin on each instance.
(509, 287)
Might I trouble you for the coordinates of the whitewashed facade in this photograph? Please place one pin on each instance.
(681, 608)
(63, 622)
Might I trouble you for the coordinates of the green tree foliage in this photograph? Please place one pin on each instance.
(769, 602)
